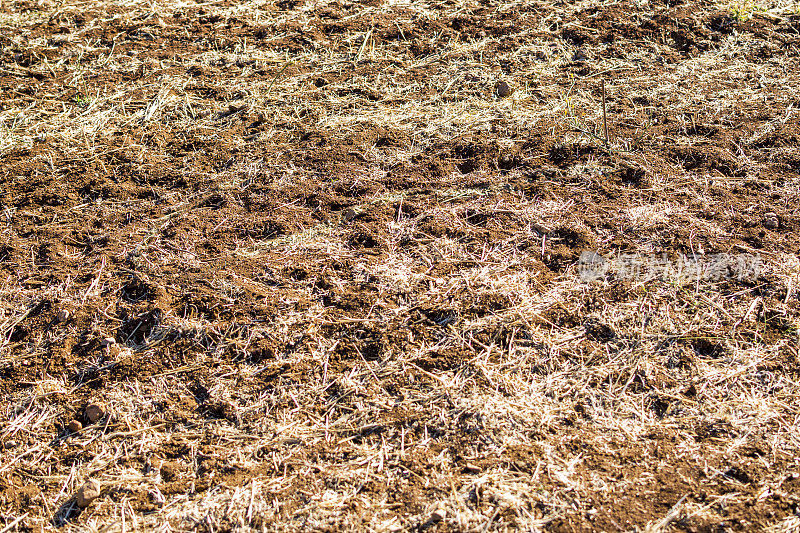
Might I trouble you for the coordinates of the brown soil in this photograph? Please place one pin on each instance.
(321, 273)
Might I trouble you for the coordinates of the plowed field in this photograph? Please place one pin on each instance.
(465, 265)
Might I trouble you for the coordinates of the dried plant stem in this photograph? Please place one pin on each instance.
(605, 115)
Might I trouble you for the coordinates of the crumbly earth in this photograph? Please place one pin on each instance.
(317, 265)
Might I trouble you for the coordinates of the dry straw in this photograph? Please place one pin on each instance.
(447, 380)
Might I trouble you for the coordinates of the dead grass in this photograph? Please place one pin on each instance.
(462, 377)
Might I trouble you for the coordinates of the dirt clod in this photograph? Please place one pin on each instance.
(503, 89)
(94, 412)
(87, 493)
(771, 221)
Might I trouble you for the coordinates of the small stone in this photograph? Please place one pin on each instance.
(503, 89)
(349, 215)
(771, 221)
(438, 515)
(94, 412)
(108, 341)
(88, 493)
(74, 426)
(63, 315)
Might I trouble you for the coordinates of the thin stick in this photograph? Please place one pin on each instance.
(605, 119)
(278, 75)
(10, 526)
(96, 280)
(363, 45)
